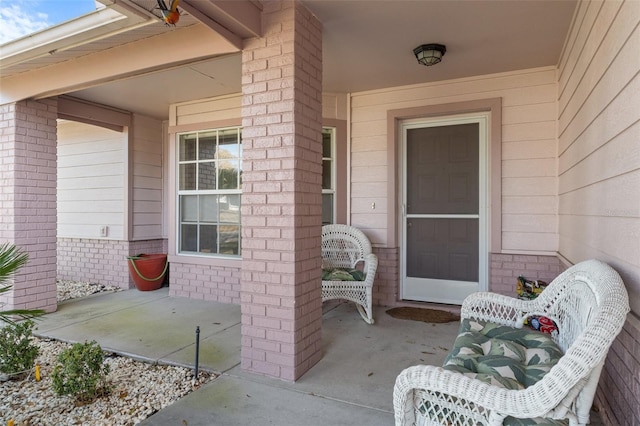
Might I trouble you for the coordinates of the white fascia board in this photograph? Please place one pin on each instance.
(84, 29)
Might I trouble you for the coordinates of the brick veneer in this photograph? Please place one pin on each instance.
(618, 394)
(101, 261)
(385, 288)
(28, 167)
(281, 194)
(504, 270)
(220, 284)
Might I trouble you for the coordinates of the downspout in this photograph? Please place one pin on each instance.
(349, 158)
(128, 177)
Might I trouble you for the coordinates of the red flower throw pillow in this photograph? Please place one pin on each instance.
(543, 324)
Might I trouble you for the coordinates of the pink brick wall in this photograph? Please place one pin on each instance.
(281, 199)
(618, 395)
(504, 270)
(28, 198)
(385, 285)
(219, 284)
(101, 261)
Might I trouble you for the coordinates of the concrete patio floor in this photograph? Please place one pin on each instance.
(351, 385)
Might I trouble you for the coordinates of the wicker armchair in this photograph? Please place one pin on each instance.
(345, 247)
(588, 302)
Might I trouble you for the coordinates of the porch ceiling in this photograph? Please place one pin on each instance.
(368, 45)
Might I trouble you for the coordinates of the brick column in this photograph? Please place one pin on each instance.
(28, 198)
(281, 199)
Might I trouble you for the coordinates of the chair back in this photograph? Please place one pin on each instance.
(587, 299)
(343, 246)
(589, 304)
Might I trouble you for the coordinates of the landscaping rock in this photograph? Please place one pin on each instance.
(139, 390)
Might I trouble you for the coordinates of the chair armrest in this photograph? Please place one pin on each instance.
(497, 308)
(499, 401)
(370, 266)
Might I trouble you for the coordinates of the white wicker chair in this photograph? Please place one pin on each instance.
(588, 302)
(344, 246)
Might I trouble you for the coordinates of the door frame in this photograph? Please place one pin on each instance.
(483, 119)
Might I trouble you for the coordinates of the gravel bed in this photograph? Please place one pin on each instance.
(139, 389)
(76, 289)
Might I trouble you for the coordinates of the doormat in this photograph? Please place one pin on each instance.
(423, 314)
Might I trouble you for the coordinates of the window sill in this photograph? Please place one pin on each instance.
(206, 260)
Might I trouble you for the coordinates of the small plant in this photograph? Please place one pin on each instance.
(81, 372)
(11, 259)
(17, 351)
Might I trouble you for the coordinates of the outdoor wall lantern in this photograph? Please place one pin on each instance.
(429, 54)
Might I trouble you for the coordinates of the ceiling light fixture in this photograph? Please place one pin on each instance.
(430, 54)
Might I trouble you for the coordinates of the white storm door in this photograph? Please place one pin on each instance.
(444, 224)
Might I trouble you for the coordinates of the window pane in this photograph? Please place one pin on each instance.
(229, 147)
(188, 237)
(229, 239)
(187, 147)
(209, 173)
(208, 208)
(187, 177)
(207, 146)
(326, 174)
(208, 238)
(228, 178)
(188, 208)
(206, 176)
(327, 209)
(230, 208)
(326, 143)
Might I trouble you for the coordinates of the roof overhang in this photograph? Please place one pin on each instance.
(126, 38)
(50, 42)
(124, 21)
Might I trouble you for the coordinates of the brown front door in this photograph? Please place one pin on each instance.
(442, 212)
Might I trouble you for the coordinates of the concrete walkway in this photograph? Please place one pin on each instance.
(351, 385)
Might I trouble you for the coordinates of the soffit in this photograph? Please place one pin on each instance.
(368, 44)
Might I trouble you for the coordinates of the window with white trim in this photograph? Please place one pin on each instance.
(209, 188)
(328, 175)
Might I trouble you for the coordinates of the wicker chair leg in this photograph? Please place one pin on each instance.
(365, 313)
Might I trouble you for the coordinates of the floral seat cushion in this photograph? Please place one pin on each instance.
(514, 358)
(343, 274)
(504, 356)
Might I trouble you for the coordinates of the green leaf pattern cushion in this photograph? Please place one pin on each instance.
(503, 356)
(342, 274)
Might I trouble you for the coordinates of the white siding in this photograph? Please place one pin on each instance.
(334, 105)
(206, 110)
(529, 145)
(91, 178)
(147, 179)
(599, 139)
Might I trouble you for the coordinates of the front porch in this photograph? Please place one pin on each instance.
(351, 385)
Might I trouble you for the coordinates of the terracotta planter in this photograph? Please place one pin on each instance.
(148, 270)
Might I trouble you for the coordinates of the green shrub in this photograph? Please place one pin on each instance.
(17, 352)
(11, 259)
(81, 372)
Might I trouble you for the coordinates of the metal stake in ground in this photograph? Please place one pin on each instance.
(197, 350)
